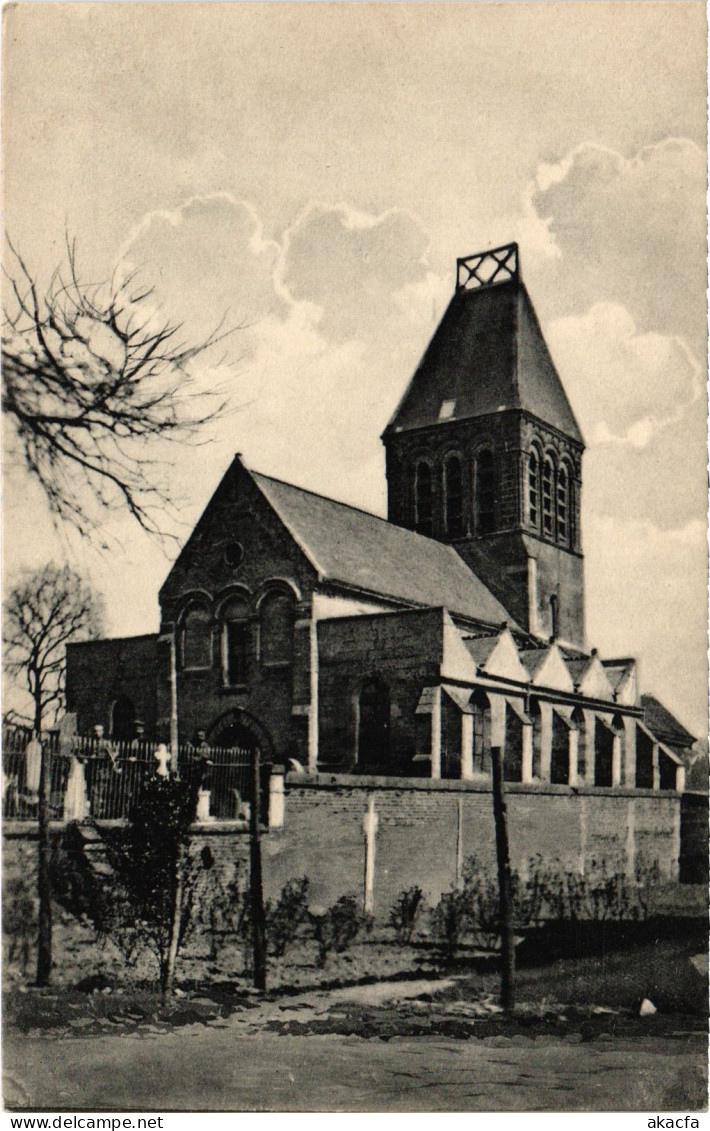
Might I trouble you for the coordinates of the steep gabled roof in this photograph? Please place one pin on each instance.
(359, 549)
(664, 725)
(487, 355)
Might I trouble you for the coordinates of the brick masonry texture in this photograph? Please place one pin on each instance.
(417, 836)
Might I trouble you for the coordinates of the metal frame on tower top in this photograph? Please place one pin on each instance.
(487, 268)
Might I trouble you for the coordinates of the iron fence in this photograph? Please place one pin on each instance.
(95, 778)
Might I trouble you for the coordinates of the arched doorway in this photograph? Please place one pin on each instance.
(123, 719)
(373, 743)
(233, 740)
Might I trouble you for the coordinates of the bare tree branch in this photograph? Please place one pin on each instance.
(94, 377)
(44, 610)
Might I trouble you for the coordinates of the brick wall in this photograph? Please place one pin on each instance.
(418, 832)
(425, 830)
(98, 671)
(404, 650)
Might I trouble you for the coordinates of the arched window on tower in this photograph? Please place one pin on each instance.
(276, 628)
(453, 491)
(563, 504)
(235, 642)
(534, 488)
(196, 638)
(424, 499)
(485, 493)
(548, 483)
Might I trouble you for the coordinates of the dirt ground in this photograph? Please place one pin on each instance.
(378, 1028)
(254, 1061)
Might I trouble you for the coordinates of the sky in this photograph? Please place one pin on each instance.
(312, 171)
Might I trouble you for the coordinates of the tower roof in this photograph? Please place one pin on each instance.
(487, 355)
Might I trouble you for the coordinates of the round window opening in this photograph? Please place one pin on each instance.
(233, 554)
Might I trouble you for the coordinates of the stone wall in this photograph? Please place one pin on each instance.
(426, 830)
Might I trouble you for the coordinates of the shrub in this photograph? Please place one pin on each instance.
(19, 918)
(284, 918)
(218, 902)
(404, 912)
(337, 927)
(450, 921)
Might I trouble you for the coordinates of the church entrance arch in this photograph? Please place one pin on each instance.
(233, 740)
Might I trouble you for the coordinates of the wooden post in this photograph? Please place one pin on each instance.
(173, 698)
(436, 734)
(507, 942)
(44, 884)
(255, 879)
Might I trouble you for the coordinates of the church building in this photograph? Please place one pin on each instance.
(345, 644)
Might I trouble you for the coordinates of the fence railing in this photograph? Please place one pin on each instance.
(96, 778)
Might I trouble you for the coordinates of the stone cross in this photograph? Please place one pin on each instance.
(162, 757)
(370, 829)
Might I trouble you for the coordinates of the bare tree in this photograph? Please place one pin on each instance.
(93, 376)
(44, 610)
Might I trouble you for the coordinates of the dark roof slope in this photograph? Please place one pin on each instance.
(361, 550)
(663, 724)
(487, 355)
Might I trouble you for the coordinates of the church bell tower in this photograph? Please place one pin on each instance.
(484, 451)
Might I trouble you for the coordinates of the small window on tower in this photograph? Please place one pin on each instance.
(533, 488)
(424, 500)
(485, 493)
(562, 505)
(453, 483)
(548, 478)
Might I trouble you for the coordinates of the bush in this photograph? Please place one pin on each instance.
(404, 912)
(451, 920)
(546, 892)
(284, 918)
(218, 902)
(337, 927)
(19, 920)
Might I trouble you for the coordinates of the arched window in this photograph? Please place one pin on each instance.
(481, 717)
(548, 482)
(559, 756)
(453, 490)
(580, 722)
(276, 628)
(424, 499)
(667, 770)
(536, 716)
(644, 760)
(196, 638)
(235, 642)
(562, 504)
(373, 742)
(603, 754)
(123, 719)
(533, 488)
(513, 750)
(485, 493)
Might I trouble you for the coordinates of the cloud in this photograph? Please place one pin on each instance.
(629, 231)
(351, 264)
(206, 260)
(625, 385)
(646, 596)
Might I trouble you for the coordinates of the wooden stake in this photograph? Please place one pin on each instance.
(255, 878)
(507, 941)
